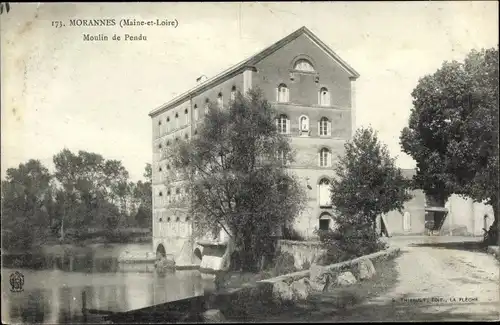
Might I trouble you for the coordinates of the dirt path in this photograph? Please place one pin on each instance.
(434, 279)
(438, 279)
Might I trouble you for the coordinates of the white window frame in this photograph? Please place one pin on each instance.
(321, 200)
(282, 93)
(283, 119)
(325, 161)
(303, 65)
(327, 126)
(306, 128)
(324, 99)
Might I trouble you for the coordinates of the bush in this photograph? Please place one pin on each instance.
(354, 237)
(290, 233)
(284, 264)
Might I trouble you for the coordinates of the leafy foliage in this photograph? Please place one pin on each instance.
(452, 132)
(26, 196)
(85, 192)
(367, 184)
(234, 176)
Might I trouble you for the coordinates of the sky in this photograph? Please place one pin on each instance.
(59, 91)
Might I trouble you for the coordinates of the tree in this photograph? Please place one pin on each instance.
(91, 186)
(367, 184)
(235, 178)
(26, 203)
(453, 130)
(142, 194)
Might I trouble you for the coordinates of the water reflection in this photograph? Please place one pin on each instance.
(54, 294)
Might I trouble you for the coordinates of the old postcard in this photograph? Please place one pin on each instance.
(249, 162)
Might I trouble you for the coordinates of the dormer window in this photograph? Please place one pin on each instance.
(303, 65)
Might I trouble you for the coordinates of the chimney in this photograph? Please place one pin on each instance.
(201, 78)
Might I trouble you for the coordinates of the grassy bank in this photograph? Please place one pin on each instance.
(332, 306)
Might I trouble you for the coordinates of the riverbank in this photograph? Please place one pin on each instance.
(328, 306)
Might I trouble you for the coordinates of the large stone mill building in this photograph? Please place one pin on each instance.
(311, 87)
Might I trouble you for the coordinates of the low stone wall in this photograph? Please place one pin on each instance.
(342, 266)
(303, 252)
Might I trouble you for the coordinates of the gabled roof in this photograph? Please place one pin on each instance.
(250, 62)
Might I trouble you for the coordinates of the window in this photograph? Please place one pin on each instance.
(206, 106)
(282, 124)
(186, 136)
(220, 100)
(168, 124)
(283, 94)
(159, 146)
(324, 193)
(187, 219)
(303, 65)
(177, 219)
(282, 156)
(324, 97)
(324, 157)
(324, 224)
(233, 93)
(407, 221)
(186, 116)
(159, 169)
(324, 127)
(195, 110)
(176, 120)
(168, 142)
(304, 123)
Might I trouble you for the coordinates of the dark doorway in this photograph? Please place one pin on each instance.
(324, 224)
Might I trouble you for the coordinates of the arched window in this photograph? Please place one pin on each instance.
(233, 93)
(195, 111)
(176, 120)
(283, 95)
(324, 157)
(324, 127)
(324, 97)
(168, 124)
(304, 123)
(206, 105)
(282, 124)
(303, 65)
(186, 116)
(324, 193)
(220, 100)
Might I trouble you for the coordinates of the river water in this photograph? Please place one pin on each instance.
(53, 286)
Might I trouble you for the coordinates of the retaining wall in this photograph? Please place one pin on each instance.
(303, 252)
